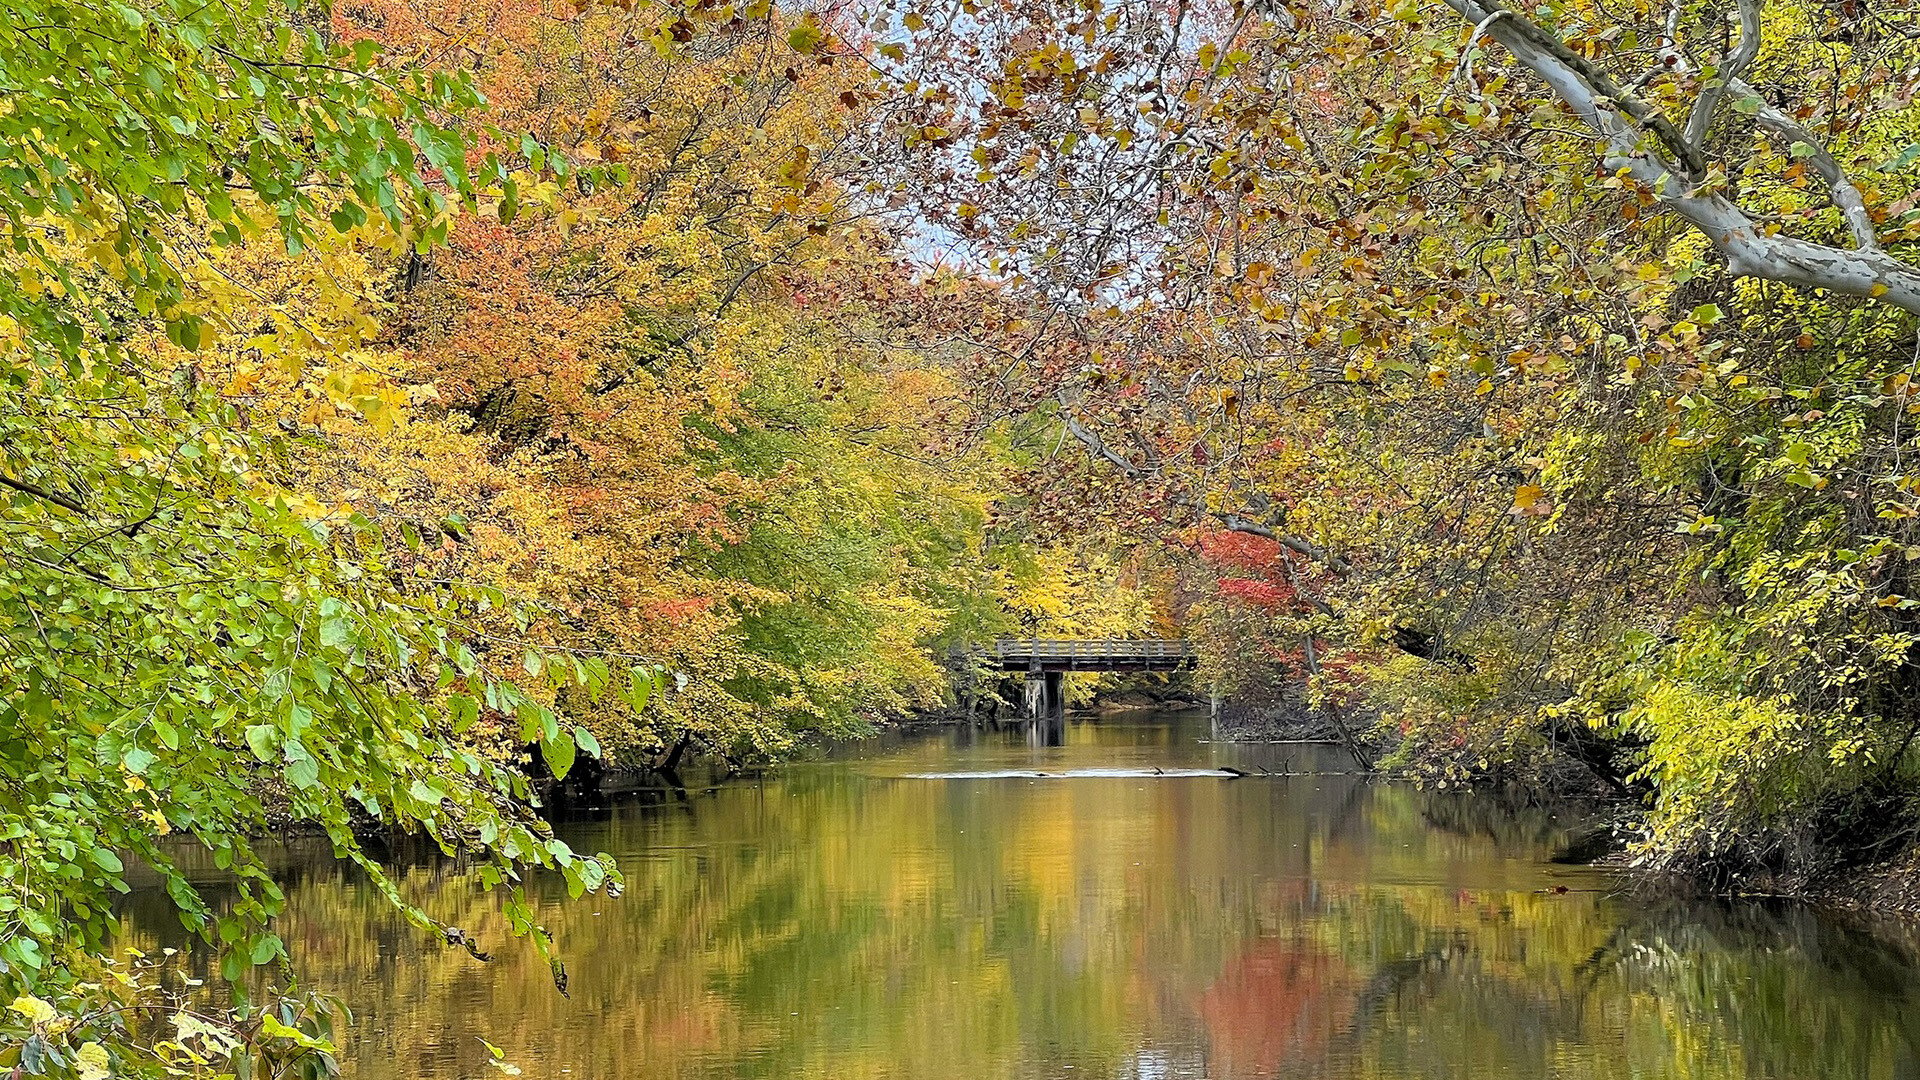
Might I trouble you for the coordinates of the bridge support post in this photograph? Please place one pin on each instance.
(1046, 695)
(1035, 697)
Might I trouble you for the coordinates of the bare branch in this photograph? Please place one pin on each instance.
(1097, 445)
(1328, 559)
(1578, 79)
(39, 492)
(1841, 190)
(1463, 71)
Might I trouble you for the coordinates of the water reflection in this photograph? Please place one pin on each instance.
(849, 918)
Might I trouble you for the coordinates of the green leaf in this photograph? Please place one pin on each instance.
(559, 755)
(639, 689)
(274, 1028)
(444, 149)
(263, 740)
(26, 951)
(585, 740)
(806, 35)
(336, 625)
(303, 773)
(463, 711)
(1907, 156)
(535, 720)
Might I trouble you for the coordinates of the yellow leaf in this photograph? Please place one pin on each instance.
(90, 1062)
(35, 1010)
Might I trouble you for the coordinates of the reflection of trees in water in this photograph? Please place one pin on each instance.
(1277, 1004)
(1782, 989)
(1511, 819)
(1544, 985)
(1415, 982)
(824, 925)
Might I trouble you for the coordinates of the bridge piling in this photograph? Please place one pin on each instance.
(1045, 695)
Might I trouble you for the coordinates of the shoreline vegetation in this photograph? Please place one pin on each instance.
(1889, 889)
(404, 405)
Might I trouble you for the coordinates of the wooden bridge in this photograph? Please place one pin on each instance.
(1103, 654)
(1046, 662)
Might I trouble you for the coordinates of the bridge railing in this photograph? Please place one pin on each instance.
(1092, 652)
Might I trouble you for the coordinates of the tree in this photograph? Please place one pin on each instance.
(666, 403)
(179, 631)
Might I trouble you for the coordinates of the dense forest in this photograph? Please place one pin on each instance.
(406, 400)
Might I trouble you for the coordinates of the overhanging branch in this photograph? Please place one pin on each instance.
(1751, 250)
(1601, 93)
(1241, 524)
(1841, 190)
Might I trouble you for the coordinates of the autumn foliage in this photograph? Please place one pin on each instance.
(406, 401)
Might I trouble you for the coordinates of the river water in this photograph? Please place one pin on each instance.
(926, 907)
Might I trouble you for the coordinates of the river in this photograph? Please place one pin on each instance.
(922, 906)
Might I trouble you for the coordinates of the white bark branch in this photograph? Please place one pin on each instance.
(1730, 70)
(1611, 108)
(1463, 71)
(1096, 445)
(1612, 112)
(1841, 190)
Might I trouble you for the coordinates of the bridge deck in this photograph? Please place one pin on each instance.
(1107, 654)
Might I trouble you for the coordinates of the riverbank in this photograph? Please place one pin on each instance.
(1890, 888)
(1886, 887)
